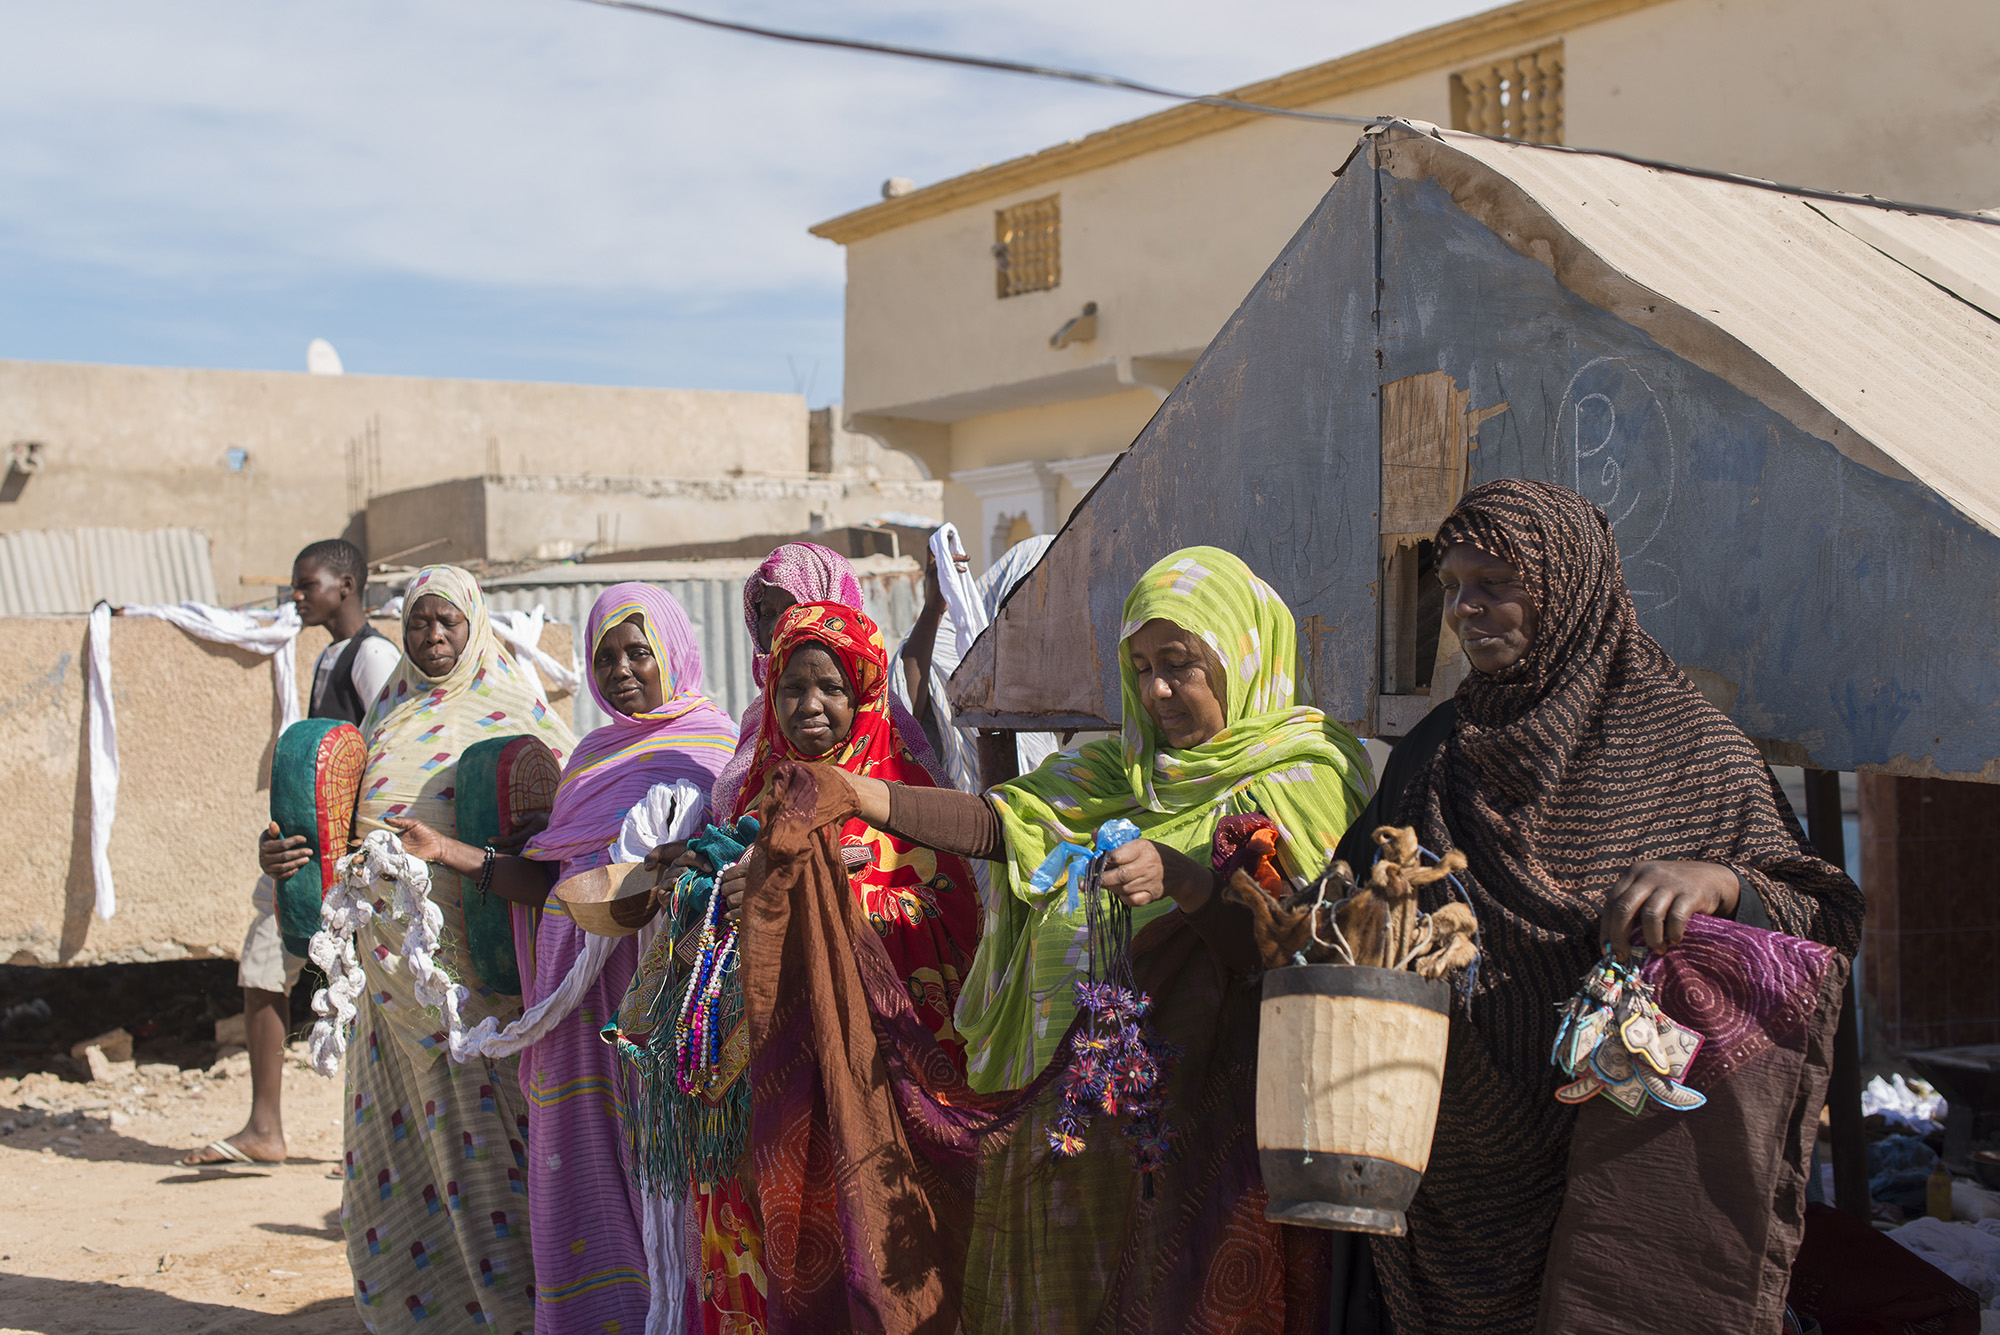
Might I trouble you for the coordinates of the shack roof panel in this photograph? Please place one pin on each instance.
(1910, 367)
(1743, 351)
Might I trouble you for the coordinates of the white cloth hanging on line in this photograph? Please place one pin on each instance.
(970, 606)
(523, 633)
(273, 632)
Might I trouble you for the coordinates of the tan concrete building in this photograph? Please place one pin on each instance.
(1016, 326)
(265, 462)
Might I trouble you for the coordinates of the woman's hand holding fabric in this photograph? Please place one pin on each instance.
(419, 840)
(735, 881)
(1144, 872)
(281, 857)
(532, 824)
(1660, 897)
(669, 859)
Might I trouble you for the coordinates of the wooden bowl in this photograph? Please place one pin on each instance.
(614, 900)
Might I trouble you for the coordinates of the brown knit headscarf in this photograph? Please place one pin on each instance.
(1591, 753)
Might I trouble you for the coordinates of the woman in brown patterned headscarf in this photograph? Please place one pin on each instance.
(1593, 791)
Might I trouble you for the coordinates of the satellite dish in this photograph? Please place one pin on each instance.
(321, 359)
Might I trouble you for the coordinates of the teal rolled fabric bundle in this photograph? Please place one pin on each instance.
(501, 783)
(315, 776)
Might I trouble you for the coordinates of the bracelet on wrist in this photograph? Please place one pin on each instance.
(486, 871)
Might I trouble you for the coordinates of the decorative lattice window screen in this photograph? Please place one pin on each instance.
(1027, 247)
(1520, 97)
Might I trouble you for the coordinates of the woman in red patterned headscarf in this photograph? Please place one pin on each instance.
(827, 699)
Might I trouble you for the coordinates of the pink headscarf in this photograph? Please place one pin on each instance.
(811, 574)
(688, 737)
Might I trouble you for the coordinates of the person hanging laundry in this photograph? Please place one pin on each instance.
(931, 652)
(329, 588)
(435, 1204)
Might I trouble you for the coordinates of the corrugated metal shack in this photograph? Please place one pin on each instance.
(1786, 405)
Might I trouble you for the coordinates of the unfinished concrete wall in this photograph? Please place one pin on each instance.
(268, 461)
(195, 729)
(519, 517)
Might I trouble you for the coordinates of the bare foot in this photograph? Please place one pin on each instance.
(253, 1146)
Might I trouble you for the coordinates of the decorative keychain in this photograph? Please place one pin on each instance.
(1613, 1039)
(1118, 1065)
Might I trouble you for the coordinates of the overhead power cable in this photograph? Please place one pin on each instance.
(1113, 81)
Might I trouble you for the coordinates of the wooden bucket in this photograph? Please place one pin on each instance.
(1350, 1062)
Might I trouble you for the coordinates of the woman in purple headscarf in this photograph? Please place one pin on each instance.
(604, 1253)
(803, 572)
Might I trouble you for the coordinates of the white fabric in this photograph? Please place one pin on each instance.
(662, 1221)
(273, 632)
(667, 812)
(523, 633)
(264, 965)
(374, 663)
(102, 728)
(1969, 1253)
(1912, 1105)
(970, 606)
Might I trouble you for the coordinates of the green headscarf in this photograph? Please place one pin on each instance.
(1288, 761)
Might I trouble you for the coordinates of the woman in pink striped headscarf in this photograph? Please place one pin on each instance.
(607, 1254)
(802, 572)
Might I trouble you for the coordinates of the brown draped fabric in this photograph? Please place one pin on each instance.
(863, 1136)
(1590, 754)
(867, 1146)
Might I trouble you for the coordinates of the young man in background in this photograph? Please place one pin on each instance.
(329, 580)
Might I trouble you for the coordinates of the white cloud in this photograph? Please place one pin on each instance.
(551, 146)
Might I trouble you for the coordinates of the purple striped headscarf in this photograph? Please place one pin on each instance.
(811, 574)
(688, 737)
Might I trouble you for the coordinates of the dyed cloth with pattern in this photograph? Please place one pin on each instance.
(811, 574)
(1273, 755)
(435, 1202)
(864, 1135)
(589, 1249)
(1591, 753)
(921, 906)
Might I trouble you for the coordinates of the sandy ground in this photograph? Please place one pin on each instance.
(102, 1231)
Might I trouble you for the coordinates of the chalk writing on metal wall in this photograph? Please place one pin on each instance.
(1622, 451)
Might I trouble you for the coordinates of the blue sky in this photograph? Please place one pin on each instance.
(529, 189)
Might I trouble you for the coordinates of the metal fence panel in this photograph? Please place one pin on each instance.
(712, 594)
(53, 572)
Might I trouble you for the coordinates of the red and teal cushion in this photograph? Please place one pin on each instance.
(315, 777)
(500, 783)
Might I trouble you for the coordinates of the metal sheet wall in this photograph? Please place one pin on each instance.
(715, 607)
(51, 572)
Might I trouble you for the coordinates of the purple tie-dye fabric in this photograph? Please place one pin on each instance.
(1743, 989)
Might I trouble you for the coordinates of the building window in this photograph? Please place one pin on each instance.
(1027, 247)
(1520, 97)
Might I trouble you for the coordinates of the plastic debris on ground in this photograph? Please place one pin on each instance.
(1911, 1104)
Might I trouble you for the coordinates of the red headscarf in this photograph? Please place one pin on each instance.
(923, 904)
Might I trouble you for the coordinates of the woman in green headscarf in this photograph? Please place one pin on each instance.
(1208, 658)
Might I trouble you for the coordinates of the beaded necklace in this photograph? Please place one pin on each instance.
(698, 1036)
